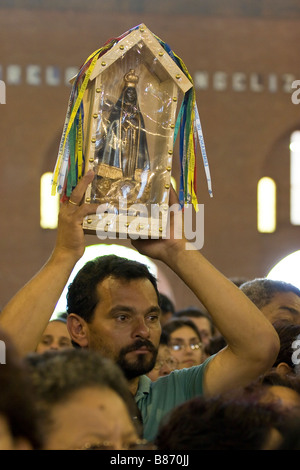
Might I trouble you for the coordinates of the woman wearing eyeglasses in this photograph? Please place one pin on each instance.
(184, 341)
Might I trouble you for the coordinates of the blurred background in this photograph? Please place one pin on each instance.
(243, 57)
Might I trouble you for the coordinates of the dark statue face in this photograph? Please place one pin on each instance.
(130, 95)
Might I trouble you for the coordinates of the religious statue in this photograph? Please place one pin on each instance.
(123, 164)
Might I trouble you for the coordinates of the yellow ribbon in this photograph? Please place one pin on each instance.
(72, 117)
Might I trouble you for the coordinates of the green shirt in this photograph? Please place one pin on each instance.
(156, 399)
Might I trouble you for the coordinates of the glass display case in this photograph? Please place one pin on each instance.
(128, 102)
(130, 110)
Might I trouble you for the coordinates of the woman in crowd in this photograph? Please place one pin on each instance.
(84, 401)
(184, 341)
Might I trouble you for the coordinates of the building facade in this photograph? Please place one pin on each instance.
(243, 58)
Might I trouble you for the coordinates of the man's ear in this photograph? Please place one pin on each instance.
(283, 369)
(78, 330)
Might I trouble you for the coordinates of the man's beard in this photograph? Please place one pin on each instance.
(142, 364)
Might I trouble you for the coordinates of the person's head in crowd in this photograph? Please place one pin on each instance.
(288, 358)
(284, 395)
(282, 391)
(167, 308)
(278, 300)
(55, 336)
(19, 421)
(221, 423)
(281, 383)
(202, 320)
(84, 401)
(113, 307)
(184, 340)
(165, 361)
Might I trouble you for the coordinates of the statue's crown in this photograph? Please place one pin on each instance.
(131, 79)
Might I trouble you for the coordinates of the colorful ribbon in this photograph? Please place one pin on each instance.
(189, 125)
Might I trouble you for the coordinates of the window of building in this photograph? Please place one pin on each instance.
(49, 205)
(266, 205)
(295, 178)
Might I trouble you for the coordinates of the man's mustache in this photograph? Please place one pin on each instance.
(141, 343)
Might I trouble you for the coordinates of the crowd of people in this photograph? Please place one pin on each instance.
(124, 369)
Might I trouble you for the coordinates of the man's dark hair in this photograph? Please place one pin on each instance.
(82, 296)
(261, 290)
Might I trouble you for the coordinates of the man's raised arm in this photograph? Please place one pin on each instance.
(26, 315)
(252, 342)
